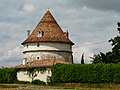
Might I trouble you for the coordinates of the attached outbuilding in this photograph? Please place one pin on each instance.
(38, 69)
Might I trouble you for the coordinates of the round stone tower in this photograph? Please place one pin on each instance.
(47, 42)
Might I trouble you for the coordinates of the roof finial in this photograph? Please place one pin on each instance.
(47, 9)
(67, 33)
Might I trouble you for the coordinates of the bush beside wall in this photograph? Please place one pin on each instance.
(86, 73)
(38, 82)
(8, 75)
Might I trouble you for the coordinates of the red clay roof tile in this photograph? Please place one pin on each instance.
(41, 63)
(51, 31)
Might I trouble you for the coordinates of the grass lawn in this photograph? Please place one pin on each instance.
(68, 86)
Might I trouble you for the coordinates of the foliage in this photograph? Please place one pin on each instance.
(83, 73)
(110, 57)
(8, 75)
(38, 82)
(32, 72)
(96, 58)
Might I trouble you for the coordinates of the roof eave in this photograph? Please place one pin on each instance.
(47, 41)
(33, 67)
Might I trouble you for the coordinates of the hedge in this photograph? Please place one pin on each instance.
(8, 75)
(86, 73)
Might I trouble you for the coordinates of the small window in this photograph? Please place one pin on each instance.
(38, 58)
(38, 44)
(27, 45)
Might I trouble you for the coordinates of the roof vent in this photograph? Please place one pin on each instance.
(67, 33)
(28, 33)
(24, 61)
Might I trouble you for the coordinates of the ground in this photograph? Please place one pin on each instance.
(70, 86)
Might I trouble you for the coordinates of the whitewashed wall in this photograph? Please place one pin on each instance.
(32, 51)
(41, 75)
(48, 46)
(47, 55)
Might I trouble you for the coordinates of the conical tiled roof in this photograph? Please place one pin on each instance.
(51, 31)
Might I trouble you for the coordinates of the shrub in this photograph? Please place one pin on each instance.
(8, 75)
(86, 73)
(38, 82)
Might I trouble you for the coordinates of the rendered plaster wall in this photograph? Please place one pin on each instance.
(47, 50)
(30, 56)
(48, 46)
(42, 75)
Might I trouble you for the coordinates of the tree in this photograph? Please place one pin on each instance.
(96, 58)
(110, 57)
(82, 59)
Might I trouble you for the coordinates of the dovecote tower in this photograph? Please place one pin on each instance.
(47, 42)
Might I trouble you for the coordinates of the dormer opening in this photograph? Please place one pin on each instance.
(39, 33)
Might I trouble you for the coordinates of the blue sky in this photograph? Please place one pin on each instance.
(88, 22)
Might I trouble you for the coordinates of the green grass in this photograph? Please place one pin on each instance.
(64, 86)
(88, 86)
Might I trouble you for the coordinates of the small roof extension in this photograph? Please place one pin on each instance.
(41, 63)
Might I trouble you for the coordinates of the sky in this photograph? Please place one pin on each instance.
(91, 23)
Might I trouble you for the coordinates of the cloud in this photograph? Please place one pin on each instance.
(98, 4)
(89, 25)
(78, 51)
(88, 21)
(28, 7)
(11, 56)
(89, 49)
